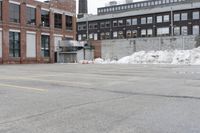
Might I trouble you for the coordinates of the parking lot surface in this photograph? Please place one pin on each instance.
(74, 98)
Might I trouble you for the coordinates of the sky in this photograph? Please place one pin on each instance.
(94, 4)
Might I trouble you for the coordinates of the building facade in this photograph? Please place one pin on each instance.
(152, 18)
(31, 30)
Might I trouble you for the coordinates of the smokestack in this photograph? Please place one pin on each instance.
(83, 8)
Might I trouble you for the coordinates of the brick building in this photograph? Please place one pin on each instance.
(146, 19)
(30, 30)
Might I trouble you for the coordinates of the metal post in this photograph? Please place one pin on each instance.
(172, 23)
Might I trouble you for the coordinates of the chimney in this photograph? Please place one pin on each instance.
(83, 8)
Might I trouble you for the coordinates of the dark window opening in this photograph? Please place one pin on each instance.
(14, 44)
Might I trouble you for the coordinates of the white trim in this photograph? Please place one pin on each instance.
(30, 32)
(32, 6)
(48, 34)
(58, 35)
(14, 2)
(69, 36)
(14, 30)
(45, 9)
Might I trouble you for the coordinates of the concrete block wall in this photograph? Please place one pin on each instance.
(116, 49)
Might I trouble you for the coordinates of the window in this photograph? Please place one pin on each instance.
(143, 33)
(107, 35)
(143, 20)
(107, 24)
(128, 22)
(120, 34)
(45, 18)
(102, 36)
(93, 26)
(115, 23)
(134, 33)
(164, 31)
(45, 41)
(14, 13)
(95, 36)
(134, 21)
(115, 34)
(14, 44)
(149, 32)
(166, 18)
(84, 37)
(102, 25)
(0, 10)
(30, 15)
(184, 30)
(176, 31)
(184, 16)
(91, 36)
(128, 34)
(79, 37)
(69, 23)
(81, 27)
(176, 17)
(159, 19)
(58, 20)
(120, 23)
(149, 20)
(195, 30)
(195, 15)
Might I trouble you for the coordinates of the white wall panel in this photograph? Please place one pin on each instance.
(0, 43)
(30, 45)
(57, 39)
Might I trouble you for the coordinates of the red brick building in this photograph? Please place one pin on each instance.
(30, 30)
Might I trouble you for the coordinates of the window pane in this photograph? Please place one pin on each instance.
(143, 20)
(166, 18)
(195, 30)
(14, 44)
(45, 18)
(31, 15)
(176, 17)
(177, 31)
(159, 19)
(195, 15)
(184, 16)
(14, 13)
(58, 20)
(149, 20)
(184, 30)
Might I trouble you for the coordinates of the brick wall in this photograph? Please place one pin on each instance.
(65, 6)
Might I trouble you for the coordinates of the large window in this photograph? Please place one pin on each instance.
(69, 23)
(128, 22)
(120, 23)
(143, 33)
(184, 16)
(195, 30)
(176, 17)
(143, 20)
(14, 44)
(159, 19)
(149, 32)
(184, 30)
(164, 31)
(166, 18)
(177, 31)
(30, 13)
(134, 21)
(58, 20)
(149, 20)
(45, 18)
(45, 45)
(14, 13)
(195, 15)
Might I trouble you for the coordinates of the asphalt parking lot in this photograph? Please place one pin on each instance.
(74, 98)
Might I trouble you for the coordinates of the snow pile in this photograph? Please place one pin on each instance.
(184, 57)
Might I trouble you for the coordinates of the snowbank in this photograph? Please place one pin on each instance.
(185, 57)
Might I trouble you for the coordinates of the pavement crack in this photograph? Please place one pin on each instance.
(60, 109)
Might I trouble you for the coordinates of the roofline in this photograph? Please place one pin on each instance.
(182, 6)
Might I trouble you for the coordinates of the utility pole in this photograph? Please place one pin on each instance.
(172, 22)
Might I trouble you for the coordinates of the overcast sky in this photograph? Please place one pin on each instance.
(94, 4)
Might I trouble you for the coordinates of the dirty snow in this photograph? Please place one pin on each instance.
(185, 57)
